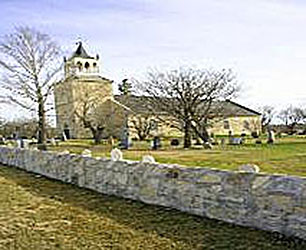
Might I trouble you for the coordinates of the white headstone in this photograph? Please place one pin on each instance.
(26, 144)
(86, 152)
(116, 155)
(65, 152)
(148, 158)
(53, 142)
(249, 168)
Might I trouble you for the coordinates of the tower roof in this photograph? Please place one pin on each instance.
(80, 52)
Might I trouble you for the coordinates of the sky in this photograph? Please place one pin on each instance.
(262, 41)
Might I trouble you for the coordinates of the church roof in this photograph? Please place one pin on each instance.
(81, 52)
(141, 105)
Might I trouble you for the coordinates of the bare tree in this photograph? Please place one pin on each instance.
(103, 117)
(144, 125)
(267, 115)
(291, 117)
(193, 97)
(30, 60)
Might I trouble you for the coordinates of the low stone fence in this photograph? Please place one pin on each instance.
(268, 202)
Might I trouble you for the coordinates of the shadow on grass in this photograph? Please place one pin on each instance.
(192, 231)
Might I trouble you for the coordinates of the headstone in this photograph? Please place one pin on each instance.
(21, 142)
(86, 153)
(65, 152)
(111, 141)
(53, 142)
(156, 143)
(148, 159)
(18, 142)
(26, 144)
(230, 135)
(116, 155)
(207, 145)
(67, 133)
(249, 168)
(271, 136)
(2, 140)
(125, 139)
(64, 138)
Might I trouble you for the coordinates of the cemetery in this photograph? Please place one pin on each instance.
(167, 160)
(285, 156)
(245, 196)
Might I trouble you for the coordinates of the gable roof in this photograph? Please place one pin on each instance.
(235, 108)
(139, 104)
(81, 52)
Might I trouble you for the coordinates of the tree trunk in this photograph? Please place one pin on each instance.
(187, 134)
(41, 120)
(97, 134)
(203, 134)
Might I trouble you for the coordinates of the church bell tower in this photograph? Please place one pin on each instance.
(82, 82)
(80, 63)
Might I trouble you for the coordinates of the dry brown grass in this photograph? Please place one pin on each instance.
(37, 213)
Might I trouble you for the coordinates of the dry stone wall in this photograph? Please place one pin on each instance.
(268, 202)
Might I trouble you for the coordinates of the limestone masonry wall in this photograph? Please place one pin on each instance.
(268, 202)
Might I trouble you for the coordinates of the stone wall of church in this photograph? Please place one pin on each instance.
(168, 127)
(72, 95)
(237, 125)
(268, 202)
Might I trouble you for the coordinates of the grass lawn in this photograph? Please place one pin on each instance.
(37, 213)
(286, 156)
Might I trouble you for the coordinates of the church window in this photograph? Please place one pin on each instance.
(226, 124)
(86, 65)
(95, 65)
(79, 64)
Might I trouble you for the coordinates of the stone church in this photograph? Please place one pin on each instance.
(83, 87)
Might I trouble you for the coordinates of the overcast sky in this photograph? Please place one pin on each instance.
(263, 41)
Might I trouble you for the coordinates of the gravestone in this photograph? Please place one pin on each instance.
(2, 140)
(156, 143)
(249, 168)
(53, 142)
(64, 138)
(271, 137)
(124, 144)
(116, 155)
(86, 153)
(148, 159)
(64, 152)
(111, 141)
(67, 133)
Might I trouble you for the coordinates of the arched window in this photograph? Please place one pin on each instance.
(86, 65)
(80, 66)
(94, 65)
